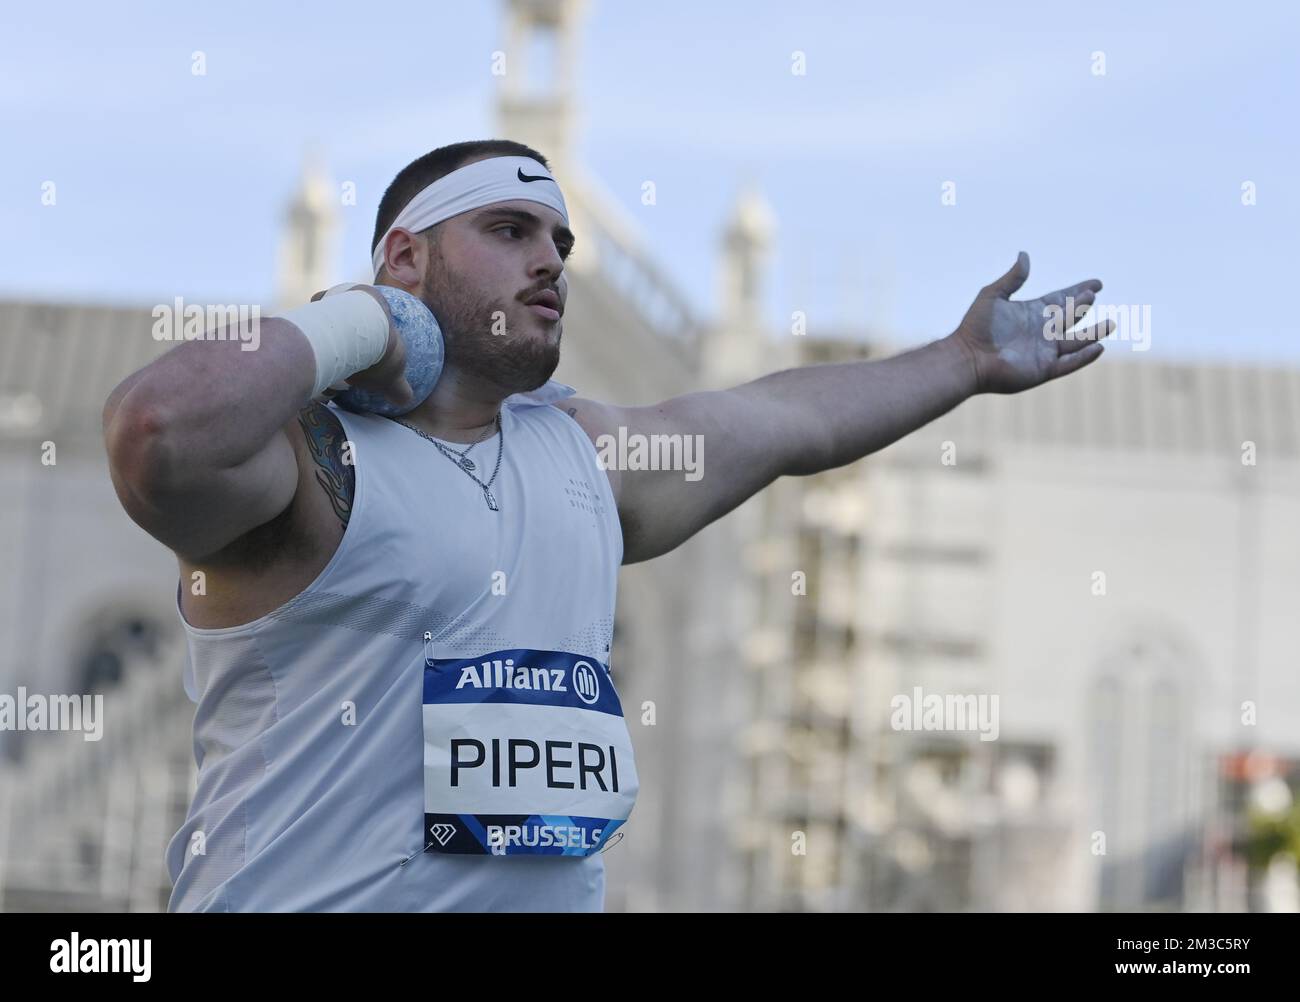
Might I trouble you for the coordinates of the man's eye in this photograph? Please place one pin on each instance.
(508, 226)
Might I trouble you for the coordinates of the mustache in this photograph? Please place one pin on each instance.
(528, 294)
(429, 294)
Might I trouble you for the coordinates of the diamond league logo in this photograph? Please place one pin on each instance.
(442, 832)
(586, 683)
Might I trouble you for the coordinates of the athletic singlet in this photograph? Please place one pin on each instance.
(430, 725)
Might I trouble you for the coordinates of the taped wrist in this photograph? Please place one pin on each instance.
(347, 331)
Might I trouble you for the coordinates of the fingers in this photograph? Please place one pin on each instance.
(400, 392)
(378, 297)
(1013, 279)
(1075, 360)
(1084, 292)
(1082, 338)
(335, 290)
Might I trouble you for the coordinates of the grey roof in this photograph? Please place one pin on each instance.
(59, 362)
(1141, 405)
(1125, 401)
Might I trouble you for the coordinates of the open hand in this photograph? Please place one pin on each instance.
(1015, 345)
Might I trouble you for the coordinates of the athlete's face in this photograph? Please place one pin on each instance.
(485, 265)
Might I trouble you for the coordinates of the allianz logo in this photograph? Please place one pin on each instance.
(505, 674)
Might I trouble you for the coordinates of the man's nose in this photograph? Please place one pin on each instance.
(548, 263)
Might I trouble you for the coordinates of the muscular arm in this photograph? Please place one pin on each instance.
(791, 423)
(195, 440)
(197, 444)
(803, 421)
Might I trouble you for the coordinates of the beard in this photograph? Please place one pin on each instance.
(516, 363)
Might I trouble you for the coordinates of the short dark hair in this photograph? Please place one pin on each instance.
(419, 174)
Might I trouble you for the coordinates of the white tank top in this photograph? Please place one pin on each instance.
(358, 745)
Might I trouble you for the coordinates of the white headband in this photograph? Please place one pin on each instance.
(497, 179)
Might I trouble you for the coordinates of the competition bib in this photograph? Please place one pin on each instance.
(525, 752)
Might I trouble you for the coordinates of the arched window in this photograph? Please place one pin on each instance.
(1138, 774)
(1105, 772)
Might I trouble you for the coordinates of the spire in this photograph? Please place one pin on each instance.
(308, 246)
(740, 346)
(535, 100)
(746, 244)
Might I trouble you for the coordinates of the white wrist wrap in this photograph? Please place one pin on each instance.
(348, 332)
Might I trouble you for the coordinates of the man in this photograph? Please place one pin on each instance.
(399, 626)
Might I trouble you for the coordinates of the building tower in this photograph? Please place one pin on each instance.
(535, 106)
(739, 349)
(309, 246)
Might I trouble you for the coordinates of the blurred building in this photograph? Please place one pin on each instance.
(1094, 553)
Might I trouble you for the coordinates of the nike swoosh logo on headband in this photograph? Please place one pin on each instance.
(539, 177)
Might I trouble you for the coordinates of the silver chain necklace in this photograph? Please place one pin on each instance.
(464, 464)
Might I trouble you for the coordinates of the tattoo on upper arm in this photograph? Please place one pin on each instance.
(573, 411)
(325, 440)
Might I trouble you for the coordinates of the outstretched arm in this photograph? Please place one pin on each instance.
(814, 418)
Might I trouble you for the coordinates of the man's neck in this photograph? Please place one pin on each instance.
(461, 408)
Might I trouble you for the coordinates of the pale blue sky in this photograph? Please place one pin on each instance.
(171, 184)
